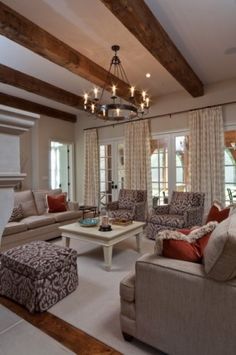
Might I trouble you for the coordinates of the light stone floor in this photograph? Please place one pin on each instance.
(19, 337)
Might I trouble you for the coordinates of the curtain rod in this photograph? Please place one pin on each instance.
(162, 115)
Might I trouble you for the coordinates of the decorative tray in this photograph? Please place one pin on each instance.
(89, 222)
(121, 221)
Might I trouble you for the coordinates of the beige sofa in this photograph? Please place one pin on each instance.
(185, 308)
(37, 224)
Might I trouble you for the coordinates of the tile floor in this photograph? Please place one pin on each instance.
(19, 337)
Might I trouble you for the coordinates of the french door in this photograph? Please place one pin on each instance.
(61, 175)
(111, 156)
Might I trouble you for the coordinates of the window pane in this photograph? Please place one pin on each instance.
(182, 162)
(155, 175)
(154, 160)
(179, 175)
(230, 174)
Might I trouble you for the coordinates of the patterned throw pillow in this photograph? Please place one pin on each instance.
(17, 214)
(181, 246)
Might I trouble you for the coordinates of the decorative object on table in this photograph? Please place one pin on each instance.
(121, 221)
(105, 228)
(136, 104)
(89, 222)
(104, 218)
(39, 274)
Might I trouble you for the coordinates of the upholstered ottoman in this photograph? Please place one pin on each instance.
(39, 274)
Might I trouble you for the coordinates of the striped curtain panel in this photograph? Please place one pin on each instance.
(207, 154)
(138, 157)
(91, 178)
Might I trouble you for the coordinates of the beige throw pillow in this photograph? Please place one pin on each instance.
(220, 252)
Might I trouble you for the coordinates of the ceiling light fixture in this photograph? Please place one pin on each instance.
(137, 105)
(148, 75)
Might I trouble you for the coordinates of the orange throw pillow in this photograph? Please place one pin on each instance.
(217, 213)
(56, 203)
(182, 250)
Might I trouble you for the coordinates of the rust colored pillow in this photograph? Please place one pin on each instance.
(182, 250)
(56, 203)
(217, 213)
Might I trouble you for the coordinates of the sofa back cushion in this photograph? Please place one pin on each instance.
(127, 198)
(40, 199)
(181, 201)
(26, 200)
(220, 252)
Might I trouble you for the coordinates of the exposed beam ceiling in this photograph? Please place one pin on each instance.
(26, 82)
(30, 106)
(21, 30)
(140, 21)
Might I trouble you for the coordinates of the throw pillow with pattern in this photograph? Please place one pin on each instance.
(17, 214)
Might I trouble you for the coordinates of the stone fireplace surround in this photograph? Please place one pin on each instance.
(13, 123)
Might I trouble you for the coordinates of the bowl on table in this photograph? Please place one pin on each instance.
(89, 222)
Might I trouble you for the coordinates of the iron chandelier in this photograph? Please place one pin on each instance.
(117, 109)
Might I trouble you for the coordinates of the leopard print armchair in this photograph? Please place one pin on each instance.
(131, 204)
(184, 211)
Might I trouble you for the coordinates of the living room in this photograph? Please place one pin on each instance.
(182, 55)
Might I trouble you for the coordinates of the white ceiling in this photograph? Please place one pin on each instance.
(203, 30)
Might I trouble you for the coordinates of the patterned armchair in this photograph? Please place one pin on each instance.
(184, 211)
(131, 204)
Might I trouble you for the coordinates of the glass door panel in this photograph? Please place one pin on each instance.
(159, 169)
(182, 162)
(111, 171)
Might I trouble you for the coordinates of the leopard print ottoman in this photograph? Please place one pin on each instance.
(38, 274)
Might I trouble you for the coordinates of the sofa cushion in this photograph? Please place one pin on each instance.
(127, 287)
(17, 214)
(26, 199)
(65, 216)
(37, 221)
(37, 259)
(40, 198)
(14, 227)
(127, 199)
(174, 221)
(218, 212)
(181, 201)
(220, 253)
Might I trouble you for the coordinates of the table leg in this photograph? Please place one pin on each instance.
(66, 241)
(138, 241)
(107, 252)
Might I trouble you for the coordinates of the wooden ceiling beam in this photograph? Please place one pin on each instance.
(24, 32)
(140, 21)
(26, 82)
(30, 106)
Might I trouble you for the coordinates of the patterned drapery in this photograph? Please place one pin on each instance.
(91, 178)
(138, 157)
(207, 153)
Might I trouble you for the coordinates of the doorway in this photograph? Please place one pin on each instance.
(111, 155)
(61, 167)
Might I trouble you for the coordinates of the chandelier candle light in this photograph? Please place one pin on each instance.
(116, 109)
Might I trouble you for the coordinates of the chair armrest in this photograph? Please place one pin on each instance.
(193, 216)
(113, 206)
(164, 209)
(73, 206)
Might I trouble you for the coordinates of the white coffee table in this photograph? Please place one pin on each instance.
(105, 239)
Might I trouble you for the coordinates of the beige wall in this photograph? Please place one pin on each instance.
(35, 149)
(214, 94)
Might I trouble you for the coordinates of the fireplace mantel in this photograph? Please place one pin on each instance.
(13, 122)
